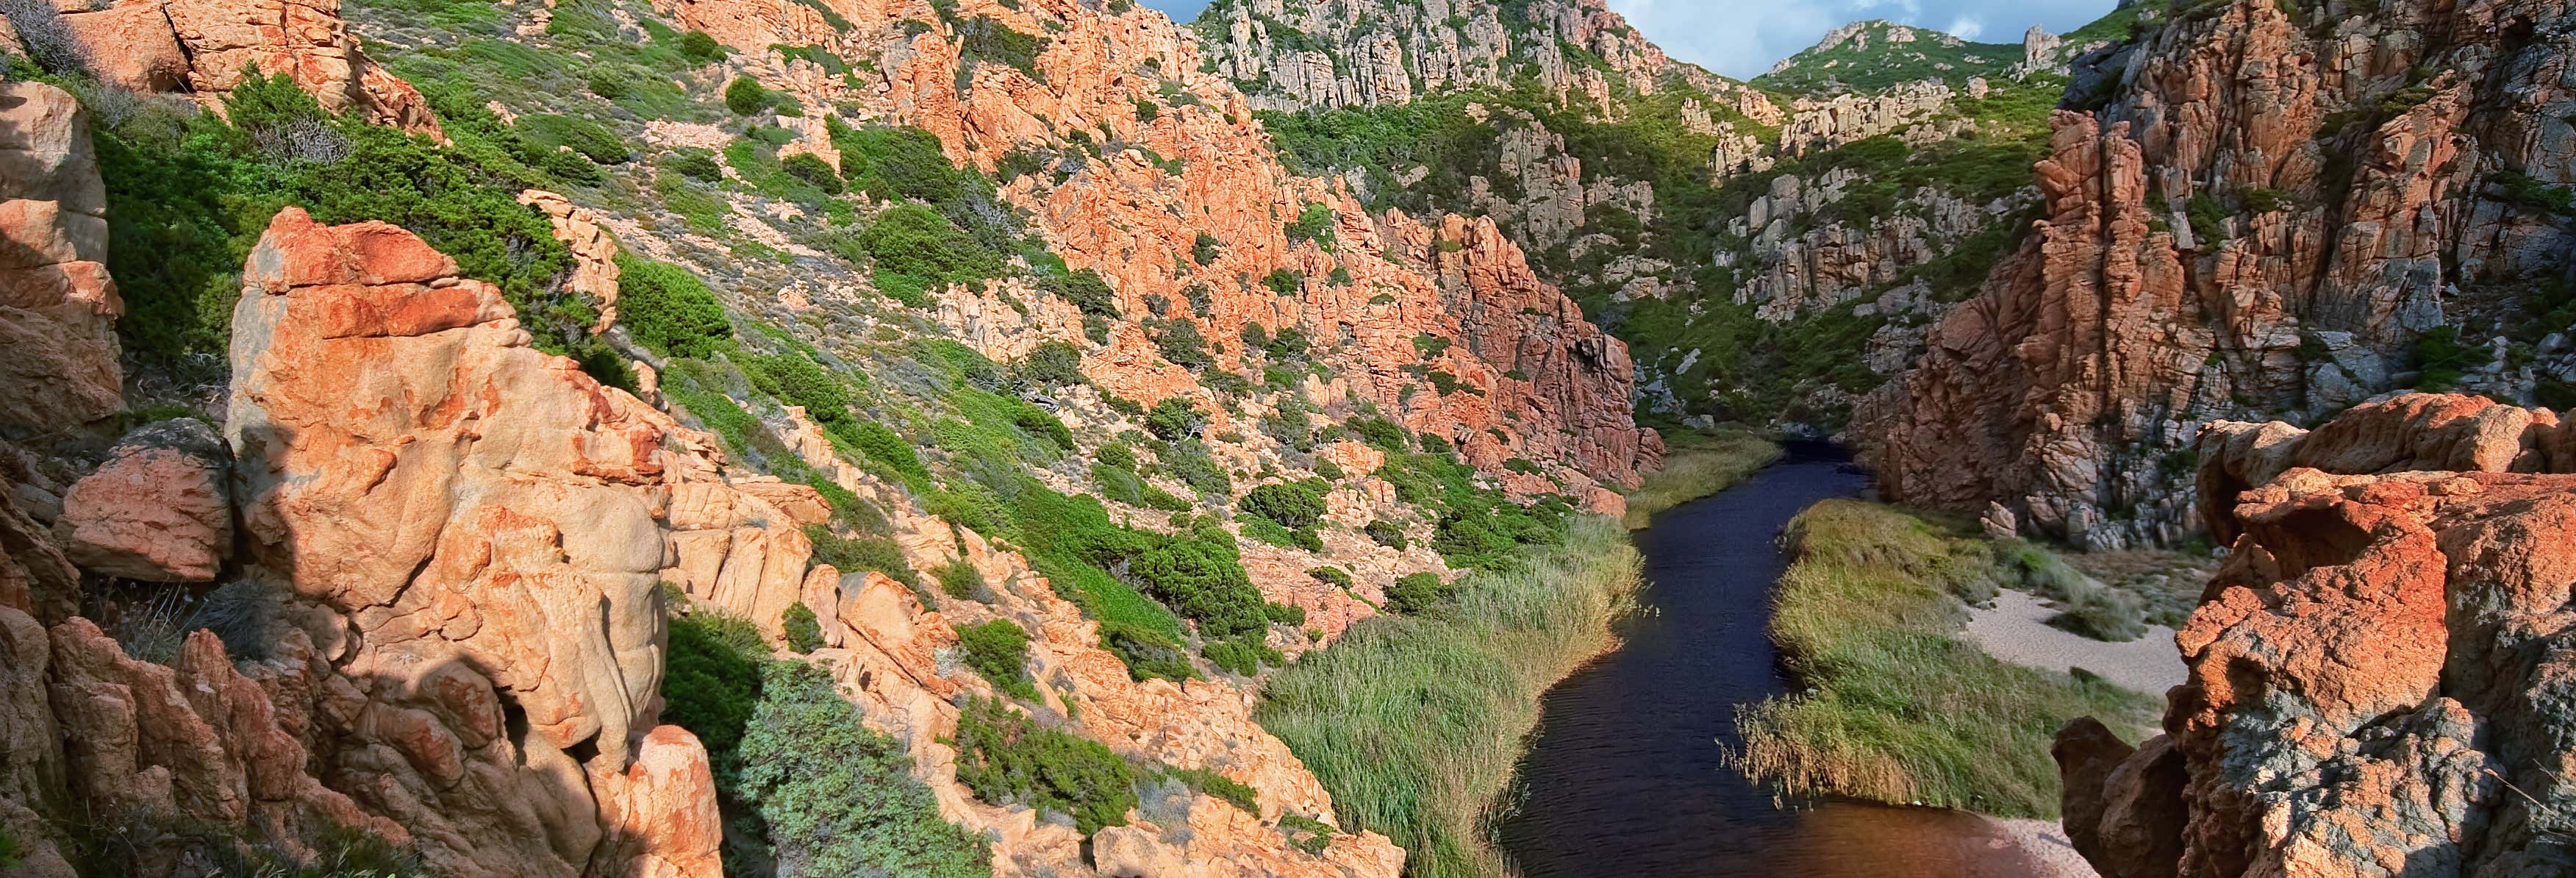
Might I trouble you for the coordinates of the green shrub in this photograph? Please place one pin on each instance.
(812, 169)
(696, 164)
(804, 631)
(1416, 592)
(1205, 250)
(711, 679)
(891, 163)
(1182, 344)
(1084, 289)
(1004, 757)
(745, 96)
(1385, 533)
(916, 242)
(1234, 792)
(1291, 504)
(667, 309)
(1243, 654)
(1148, 655)
(1121, 483)
(1314, 223)
(999, 650)
(959, 579)
(2439, 358)
(883, 446)
(1283, 282)
(1274, 533)
(838, 798)
(590, 139)
(982, 39)
(700, 48)
(1333, 575)
(1053, 364)
(1175, 418)
(860, 554)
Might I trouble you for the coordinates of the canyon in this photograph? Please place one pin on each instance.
(455, 438)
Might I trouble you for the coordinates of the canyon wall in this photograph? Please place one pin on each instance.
(2273, 211)
(2378, 677)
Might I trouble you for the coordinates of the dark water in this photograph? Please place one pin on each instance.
(1624, 778)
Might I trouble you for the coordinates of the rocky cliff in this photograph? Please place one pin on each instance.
(2277, 211)
(861, 333)
(2374, 684)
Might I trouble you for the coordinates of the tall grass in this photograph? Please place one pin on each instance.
(1414, 723)
(1697, 465)
(1894, 707)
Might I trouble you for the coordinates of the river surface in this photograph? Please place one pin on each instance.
(1624, 778)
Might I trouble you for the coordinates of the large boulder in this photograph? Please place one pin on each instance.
(57, 306)
(203, 47)
(2380, 674)
(159, 510)
(473, 533)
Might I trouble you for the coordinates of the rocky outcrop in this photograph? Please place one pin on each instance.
(203, 47)
(1356, 53)
(594, 252)
(2377, 685)
(2264, 221)
(159, 510)
(454, 549)
(58, 307)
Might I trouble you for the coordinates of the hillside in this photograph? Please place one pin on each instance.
(1869, 56)
(609, 388)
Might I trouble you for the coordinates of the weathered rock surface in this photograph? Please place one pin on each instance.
(2378, 673)
(202, 47)
(58, 307)
(594, 253)
(2263, 222)
(159, 510)
(473, 532)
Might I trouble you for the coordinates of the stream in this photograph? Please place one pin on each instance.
(1624, 777)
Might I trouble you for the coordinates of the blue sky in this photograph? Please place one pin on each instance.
(1741, 38)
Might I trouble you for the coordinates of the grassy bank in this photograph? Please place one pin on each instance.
(1414, 722)
(1697, 465)
(1896, 708)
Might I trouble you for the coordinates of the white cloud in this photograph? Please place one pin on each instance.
(1966, 28)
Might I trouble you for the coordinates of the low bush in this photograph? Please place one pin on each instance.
(711, 679)
(667, 309)
(1004, 756)
(860, 554)
(838, 798)
(959, 579)
(804, 631)
(745, 96)
(1293, 505)
(1175, 418)
(999, 650)
(1234, 792)
(813, 170)
(590, 139)
(1416, 592)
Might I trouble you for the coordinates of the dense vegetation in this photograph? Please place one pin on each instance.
(1894, 707)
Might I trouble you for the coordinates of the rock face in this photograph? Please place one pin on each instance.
(1348, 53)
(2377, 685)
(453, 637)
(201, 47)
(594, 253)
(2264, 221)
(159, 510)
(57, 305)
